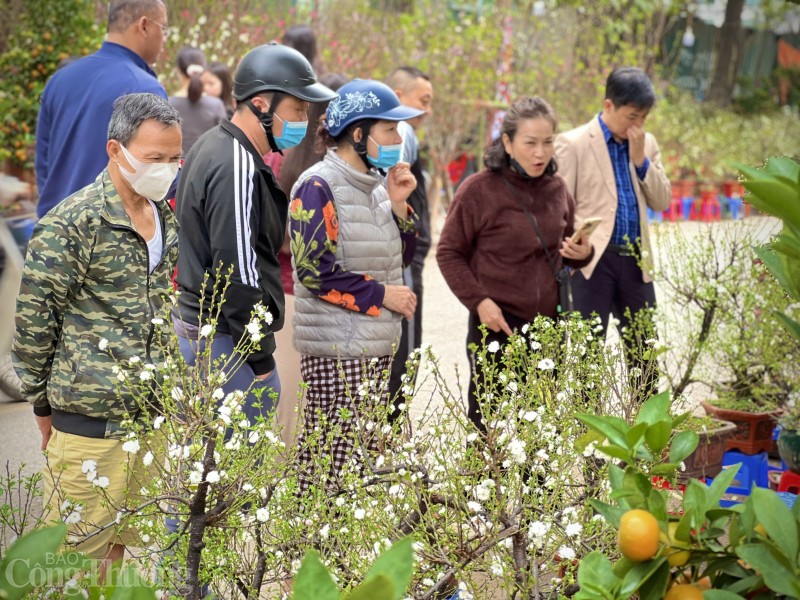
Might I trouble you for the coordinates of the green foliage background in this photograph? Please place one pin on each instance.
(563, 55)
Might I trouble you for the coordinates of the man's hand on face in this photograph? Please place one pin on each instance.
(636, 144)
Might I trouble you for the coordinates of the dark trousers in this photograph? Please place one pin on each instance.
(410, 340)
(616, 288)
(477, 382)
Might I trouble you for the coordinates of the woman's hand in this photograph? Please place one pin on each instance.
(400, 182)
(400, 299)
(491, 316)
(576, 250)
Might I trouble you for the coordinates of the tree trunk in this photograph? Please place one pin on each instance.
(729, 55)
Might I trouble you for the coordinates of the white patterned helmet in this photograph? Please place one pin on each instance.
(365, 99)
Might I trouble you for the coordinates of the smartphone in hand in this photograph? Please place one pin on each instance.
(587, 227)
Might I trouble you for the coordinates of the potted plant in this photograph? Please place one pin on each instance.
(706, 460)
(754, 355)
(775, 190)
(723, 342)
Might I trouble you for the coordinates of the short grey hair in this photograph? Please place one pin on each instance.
(123, 13)
(134, 109)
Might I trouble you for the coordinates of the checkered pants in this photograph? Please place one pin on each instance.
(342, 398)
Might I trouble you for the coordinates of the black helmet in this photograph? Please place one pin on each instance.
(277, 68)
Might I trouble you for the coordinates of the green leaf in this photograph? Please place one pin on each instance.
(657, 436)
(721, 483)
(790, 324)
(635, 435)
(28, 552)
(313, 582)
(377, 588)
(784, 167)
(683, 444)
(677, 421)
(664, 469)
(612, 427)
(695, 498)
(616, 452)
(132, 587)
(774, 197)
(655, 409)
(776, 265)
(595, 573)
(655, 584)
(777, 577)
(720, 595)
(396, 563)
(657, 505)
(590, 437)
(612, 514)
(777, 519)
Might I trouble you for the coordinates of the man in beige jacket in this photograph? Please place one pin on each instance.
(613, 170)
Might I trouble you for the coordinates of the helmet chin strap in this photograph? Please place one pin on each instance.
(361, 147)
(266, 119)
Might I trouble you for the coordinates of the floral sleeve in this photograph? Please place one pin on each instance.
(314, 233)
(408, 234)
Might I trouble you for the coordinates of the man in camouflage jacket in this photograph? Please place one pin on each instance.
(97, 273)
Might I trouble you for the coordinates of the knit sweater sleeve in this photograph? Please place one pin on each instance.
(314, 234)
(457, 244)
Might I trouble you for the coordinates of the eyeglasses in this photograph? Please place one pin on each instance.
(165, 29)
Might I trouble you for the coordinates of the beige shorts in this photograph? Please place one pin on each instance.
(66, 484)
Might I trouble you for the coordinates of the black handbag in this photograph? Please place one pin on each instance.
(563, 275)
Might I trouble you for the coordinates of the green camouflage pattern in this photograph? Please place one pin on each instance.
(86, 278)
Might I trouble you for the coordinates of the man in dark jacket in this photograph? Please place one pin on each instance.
(233, 217)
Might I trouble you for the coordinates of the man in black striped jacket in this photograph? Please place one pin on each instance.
(232, 217)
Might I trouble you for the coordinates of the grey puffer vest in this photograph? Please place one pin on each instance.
(369, 243)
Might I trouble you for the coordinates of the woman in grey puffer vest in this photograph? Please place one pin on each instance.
(351, 234)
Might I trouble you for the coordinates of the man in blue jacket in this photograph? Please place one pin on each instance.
(78, 100)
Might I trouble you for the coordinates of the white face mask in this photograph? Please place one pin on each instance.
(151, 180)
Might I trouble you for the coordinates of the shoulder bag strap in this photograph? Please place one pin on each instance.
(532, 219)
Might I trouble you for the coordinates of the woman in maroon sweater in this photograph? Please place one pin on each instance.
(489, 252)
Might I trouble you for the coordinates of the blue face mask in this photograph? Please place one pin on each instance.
(388, 156)
(292, 134)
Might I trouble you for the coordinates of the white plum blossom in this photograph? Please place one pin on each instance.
(517, 450)
(147, 459)
(103, 344)
(566, 553)
(134, 359)
(537, 531)
(131, 446)
(157, 321)
(253, 437)
(262, 515)
(212, 477)
(359, 514)
(145, 375)
(101, 482)
(177, 394)
(546, 364)
(74, 516)
(493, 347)
(474, 507)
(254, 329)
(195, 477)
(206, 330)
(159, 420)
(325, 531)
(496, 568)
(218, 394)
(573, 529)
(89, 466)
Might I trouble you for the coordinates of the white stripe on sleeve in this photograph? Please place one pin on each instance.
(243, 168)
